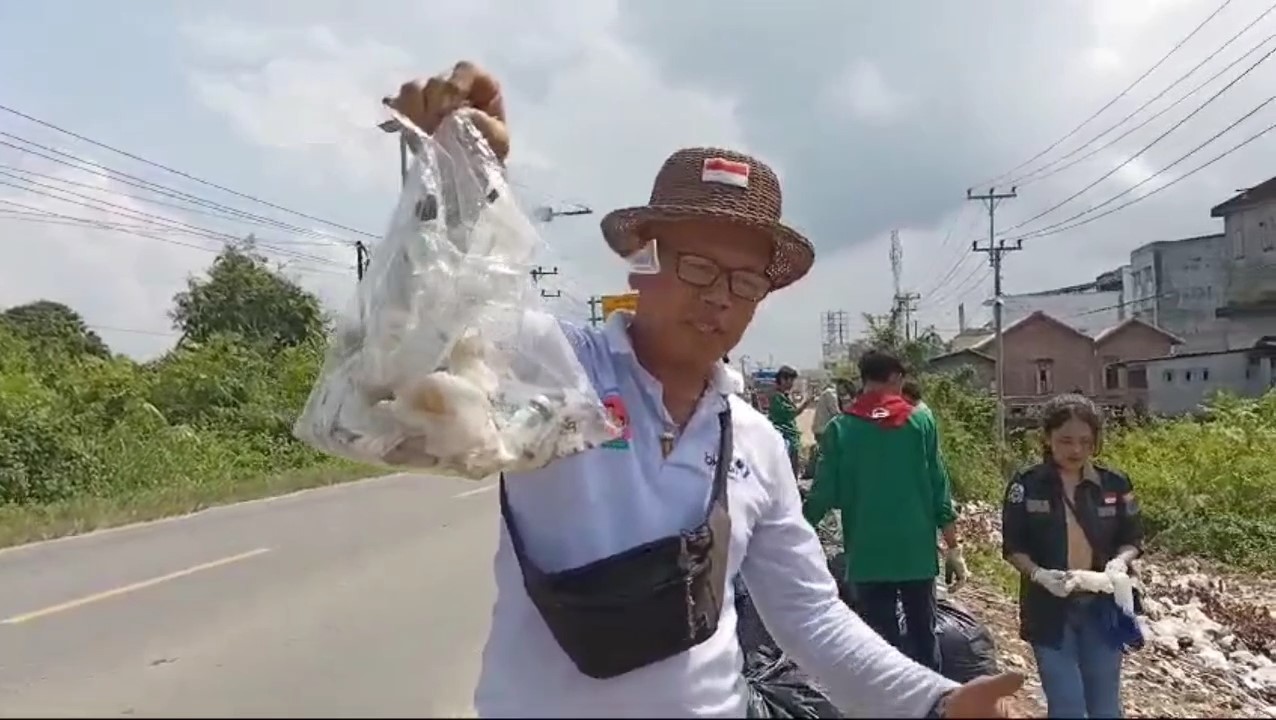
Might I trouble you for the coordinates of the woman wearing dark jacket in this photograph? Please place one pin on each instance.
(1068, 514)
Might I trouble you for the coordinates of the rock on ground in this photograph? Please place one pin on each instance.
(1210, 636)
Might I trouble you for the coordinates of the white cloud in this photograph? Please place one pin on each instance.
(865, 94)
(597, 130)
(82, 266)
(308, 92)
(866, 131)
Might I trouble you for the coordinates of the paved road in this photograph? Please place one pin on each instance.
(371, 598)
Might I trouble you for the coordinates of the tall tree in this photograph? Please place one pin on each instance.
(242, 294)
(54, 327)
(881, 332)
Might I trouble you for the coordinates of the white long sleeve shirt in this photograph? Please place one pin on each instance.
(610, 499)
(827, 407)
(734, 379)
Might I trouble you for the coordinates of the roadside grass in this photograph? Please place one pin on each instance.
(992, 570)
(20, 524)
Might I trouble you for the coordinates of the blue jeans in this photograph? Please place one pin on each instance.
(1082, 677)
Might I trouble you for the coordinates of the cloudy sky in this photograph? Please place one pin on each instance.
(877, 116)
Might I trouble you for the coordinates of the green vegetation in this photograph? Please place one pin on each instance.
(90, 439)
(1207, 485)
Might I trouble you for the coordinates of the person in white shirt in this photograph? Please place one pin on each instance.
(734, 376)
(827, 406)
(614, 566)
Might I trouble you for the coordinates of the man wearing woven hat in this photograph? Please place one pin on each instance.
(614, 566)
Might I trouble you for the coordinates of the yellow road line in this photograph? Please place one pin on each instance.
(115, 592)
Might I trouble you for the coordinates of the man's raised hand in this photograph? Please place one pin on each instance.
(426, 102)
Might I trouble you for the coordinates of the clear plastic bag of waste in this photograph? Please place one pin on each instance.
(445, 361)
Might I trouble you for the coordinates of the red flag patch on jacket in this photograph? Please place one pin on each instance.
(885, 409)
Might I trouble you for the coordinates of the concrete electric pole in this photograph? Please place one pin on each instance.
(996, 251)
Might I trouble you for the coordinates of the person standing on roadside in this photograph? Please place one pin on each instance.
(828, 405)
(614, 566)
(882, 468)
(784, 413)
(1068, 513)
(912, 392)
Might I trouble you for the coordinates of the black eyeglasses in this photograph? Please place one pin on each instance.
(703, 272)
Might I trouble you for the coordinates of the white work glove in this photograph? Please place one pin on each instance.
(1118, 571)
(1056, 581)
(1123, 592)
(955, 567)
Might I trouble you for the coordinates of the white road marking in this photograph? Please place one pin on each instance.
(133, 587)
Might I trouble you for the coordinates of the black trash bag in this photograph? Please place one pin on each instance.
(778, 689)
(966, 647)
(751, 632)
(837, 568)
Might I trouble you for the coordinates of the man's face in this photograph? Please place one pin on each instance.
(785, 383)
(712, 277)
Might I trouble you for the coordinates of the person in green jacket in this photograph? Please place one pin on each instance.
(881, 468)
(783, 413)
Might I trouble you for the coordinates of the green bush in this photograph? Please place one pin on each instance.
(1207, 485)
(203, 414)
(77, 422)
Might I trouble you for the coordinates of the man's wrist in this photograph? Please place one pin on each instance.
(940, 708)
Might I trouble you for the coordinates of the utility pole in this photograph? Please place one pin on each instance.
(360, 258)
(907, 303)
(539, 272)
(594, 317)
(996, 251)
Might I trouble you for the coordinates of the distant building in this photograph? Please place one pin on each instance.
(1180, 384)
(1088, 307)
(1178, 285)
(1045, 356)
(1217, 292)
(983, 365)
(1248, 302)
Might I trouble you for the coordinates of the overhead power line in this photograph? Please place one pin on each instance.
(1110, 103)
(123, 178)
(1053, 168)
(9, 170)
(1153, 143)
(181, 173)
(1058, 228)
(158, 221)
(41, 216)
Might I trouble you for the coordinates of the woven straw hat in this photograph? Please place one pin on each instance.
(710, 183)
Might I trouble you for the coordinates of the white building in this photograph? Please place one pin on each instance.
(1088, 307)
(1181, 384)
(1248, 302)
(1178, 286)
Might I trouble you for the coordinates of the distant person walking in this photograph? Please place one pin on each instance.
(912, 392)
(828, 405)
(783, 413)
(881, 467)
